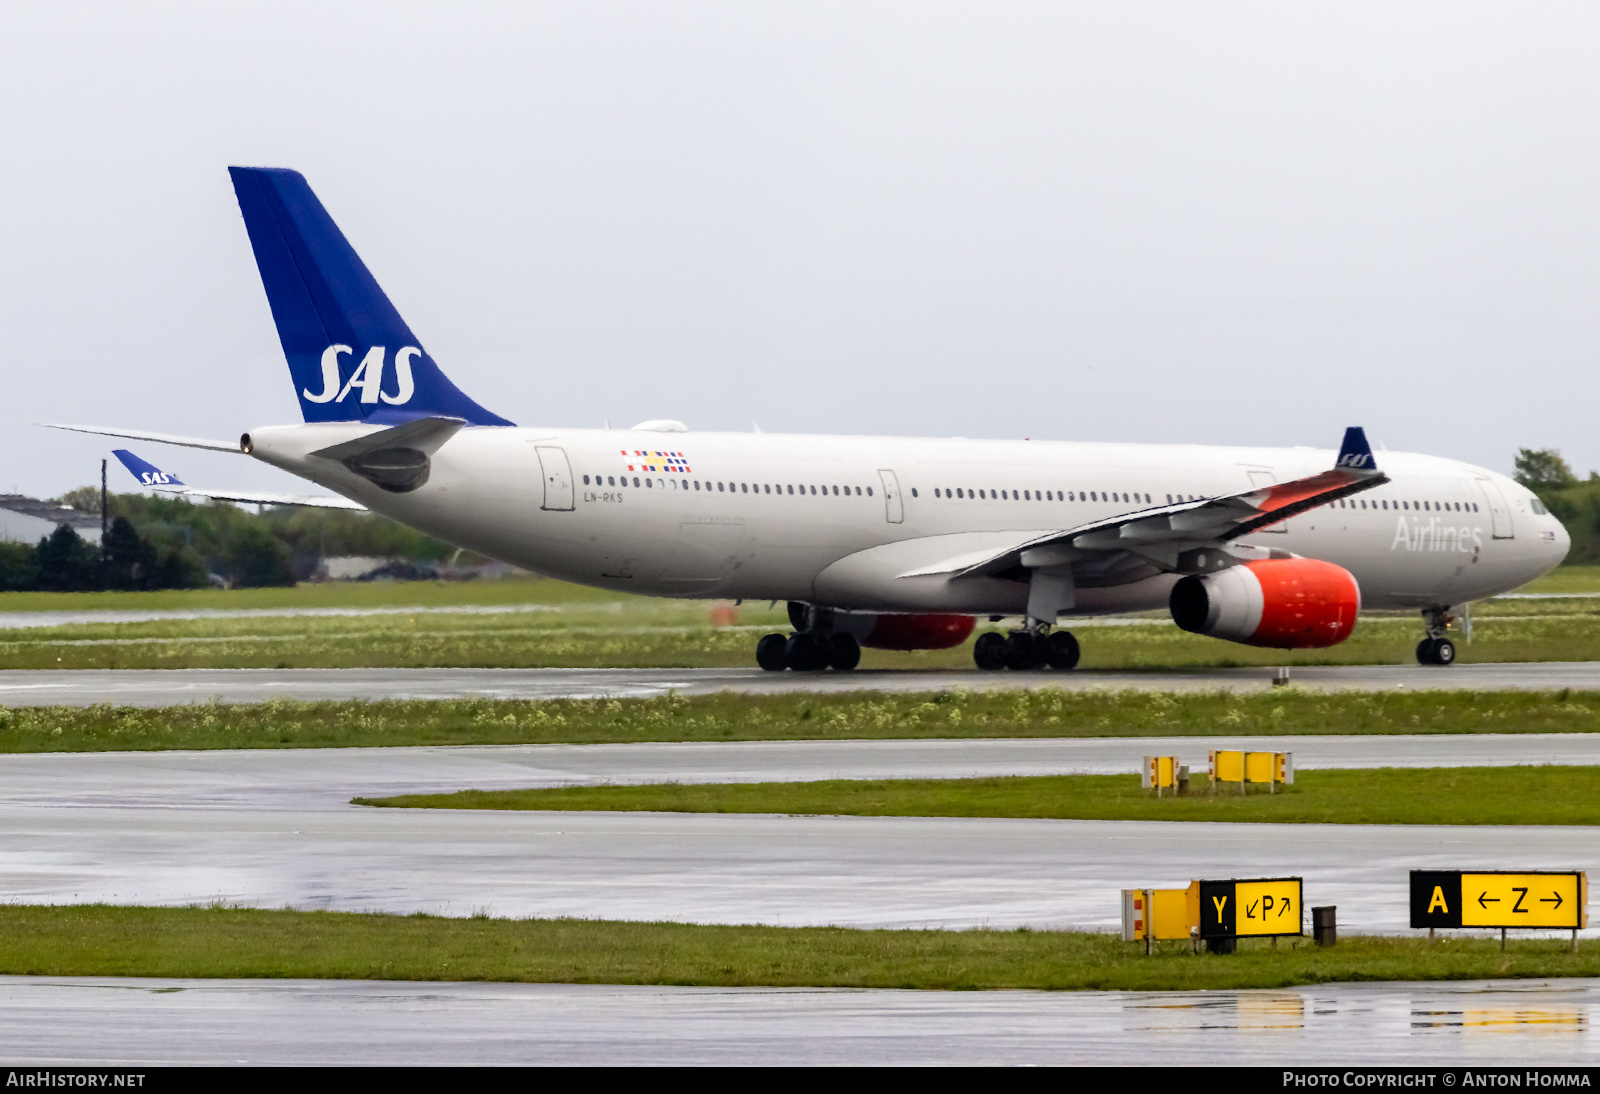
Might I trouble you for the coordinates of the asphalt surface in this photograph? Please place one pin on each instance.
(164, 687)
(274, 827)
(133, 1023)
(322, 779)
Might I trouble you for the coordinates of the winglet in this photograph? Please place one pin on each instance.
(1355, 454)
(148, 474)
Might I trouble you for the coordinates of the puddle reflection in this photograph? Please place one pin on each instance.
(1242, 1011)
(1521, 1020)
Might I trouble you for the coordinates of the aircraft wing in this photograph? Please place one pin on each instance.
(152, 476)
(1173, 538)
(315, 501)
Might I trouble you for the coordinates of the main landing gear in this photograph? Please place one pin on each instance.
(813, 646)
(807, 652)
(1025, 650)
(1436, 649)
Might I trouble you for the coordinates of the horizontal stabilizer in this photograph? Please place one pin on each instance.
(159, 438)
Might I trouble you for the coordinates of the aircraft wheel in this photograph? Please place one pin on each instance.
(769, 652)
(844, 652)
(1061, 650)
(803, 653)
(1436, 651)
(1024, 652)
(989, 651)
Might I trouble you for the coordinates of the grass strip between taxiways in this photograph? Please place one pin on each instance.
(1448, 795)
(103, 940)
(791, 717)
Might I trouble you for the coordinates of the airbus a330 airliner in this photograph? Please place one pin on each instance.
(873, 541)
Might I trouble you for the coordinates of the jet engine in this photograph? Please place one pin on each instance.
(1285, 603)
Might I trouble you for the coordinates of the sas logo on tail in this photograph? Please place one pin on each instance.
(368, 376)
(147, 473)
(1356, 460)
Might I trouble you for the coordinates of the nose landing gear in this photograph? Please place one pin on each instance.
(1025, 650)
(1436, 649)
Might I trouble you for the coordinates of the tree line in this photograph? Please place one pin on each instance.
(1574, 501)
(174, 543)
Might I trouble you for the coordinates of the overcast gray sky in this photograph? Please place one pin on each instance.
(1194, 222)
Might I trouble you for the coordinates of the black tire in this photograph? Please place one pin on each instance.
(1061, 650)
(844, 652)
(1024, 652)
(989, 651)
(1444, 651)
(1425, 652)
(803, 653)
(769, 652)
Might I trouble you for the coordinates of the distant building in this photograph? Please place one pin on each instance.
(28, 520)
(348, 568)
(368, 568)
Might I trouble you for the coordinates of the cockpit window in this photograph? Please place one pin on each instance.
(1538, 507)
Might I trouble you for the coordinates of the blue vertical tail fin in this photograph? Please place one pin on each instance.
(351, 355)
(146, 472)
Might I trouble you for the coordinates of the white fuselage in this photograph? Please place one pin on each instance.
(842, 521)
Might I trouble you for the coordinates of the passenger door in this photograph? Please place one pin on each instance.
(557, 478)
(894, 508)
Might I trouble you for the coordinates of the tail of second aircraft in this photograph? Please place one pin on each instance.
(351, 355)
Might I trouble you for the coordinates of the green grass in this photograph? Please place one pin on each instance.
(1450, 795)
(332, 594)
(732, 717)
(563, 625)
(1566, 579)
(676, 634)
(99, 940)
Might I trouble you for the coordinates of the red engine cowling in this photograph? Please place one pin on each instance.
(1287, 603)
(919, 632)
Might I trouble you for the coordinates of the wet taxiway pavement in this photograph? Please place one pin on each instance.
(274, 827)
(131, 1023)
(320, 779)
(164, 687)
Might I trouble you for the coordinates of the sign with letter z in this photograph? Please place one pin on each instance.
(1255, 908)
(1500, 898)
